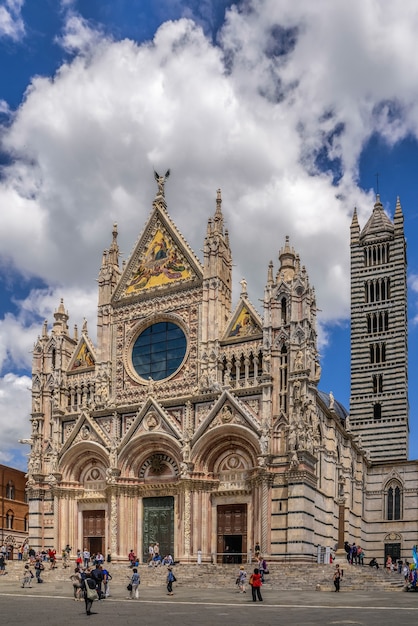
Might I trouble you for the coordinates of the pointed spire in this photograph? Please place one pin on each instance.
(354, 228)
(218, 219)
(45, 330)
(61, 319)
(75, 332)
(287, 261)
(113, 255)
(398, 217)
(270, 274)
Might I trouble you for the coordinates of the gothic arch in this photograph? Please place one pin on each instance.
(80, 456)
(140, 449)
(215, 443)
(279, 443)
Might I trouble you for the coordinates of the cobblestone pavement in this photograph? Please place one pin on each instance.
(52, 603)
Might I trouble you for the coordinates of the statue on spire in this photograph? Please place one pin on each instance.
(161, 182)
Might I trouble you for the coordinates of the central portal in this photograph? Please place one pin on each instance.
(231, 533)
(158, 526)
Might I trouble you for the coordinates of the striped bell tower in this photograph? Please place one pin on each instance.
(379, 342)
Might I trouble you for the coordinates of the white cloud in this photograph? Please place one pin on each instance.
(14, 417)
(11, 22)
(78, 35)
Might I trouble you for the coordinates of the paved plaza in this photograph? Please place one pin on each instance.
(52, 603)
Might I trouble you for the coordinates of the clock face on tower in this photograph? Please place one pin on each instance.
(159, 350)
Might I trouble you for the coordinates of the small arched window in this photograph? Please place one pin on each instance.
(284, 310)
(10, 490)
(9, 519)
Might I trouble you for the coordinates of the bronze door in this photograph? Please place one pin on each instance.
(231, 533)
(94, 523)
(158, 525)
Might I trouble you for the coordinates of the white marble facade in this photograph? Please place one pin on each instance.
(220, 441)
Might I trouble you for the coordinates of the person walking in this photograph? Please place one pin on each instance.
(39, 567)
(106, 580)
(255, 582)
(77, 584)
(242, 579)
(170, 580)
(337, 577)
(90, 593)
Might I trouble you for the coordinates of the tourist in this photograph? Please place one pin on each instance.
(134, 584)
(255, 582)
(89, 589)
(27, 577)
(52, 555)
(79, 559)
(39, 568)
(242, 579)
(262, 567)
(77, 584)
(97, 575)
(106, 580)
(167, 560)
(150, 553)
(132, 559)
(337, 577)
(170, 580)
(257, 549)
(86, 557)
(2, 564)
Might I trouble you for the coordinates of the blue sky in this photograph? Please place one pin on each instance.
(292, 109)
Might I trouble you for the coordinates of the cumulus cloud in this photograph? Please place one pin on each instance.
(14, 417)
(275, 113)
(11, 22)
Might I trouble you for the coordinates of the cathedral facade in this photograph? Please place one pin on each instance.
(200, 425)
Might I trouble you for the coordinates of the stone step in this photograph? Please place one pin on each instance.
(281, 575)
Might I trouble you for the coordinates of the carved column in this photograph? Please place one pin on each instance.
(264, 515)
(113, 530)
(187, 522)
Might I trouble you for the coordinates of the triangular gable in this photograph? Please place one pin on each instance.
(225, 407)
(152, 418)
(161, 260)
(83, 357)
(245, 323)
(86, 429)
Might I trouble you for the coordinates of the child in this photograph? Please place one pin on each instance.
(27, 577)
(242, 579)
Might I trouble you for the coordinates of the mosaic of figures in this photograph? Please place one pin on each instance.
(162, 263)
(244, 325)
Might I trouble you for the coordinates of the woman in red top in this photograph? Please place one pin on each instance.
(255, 582)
